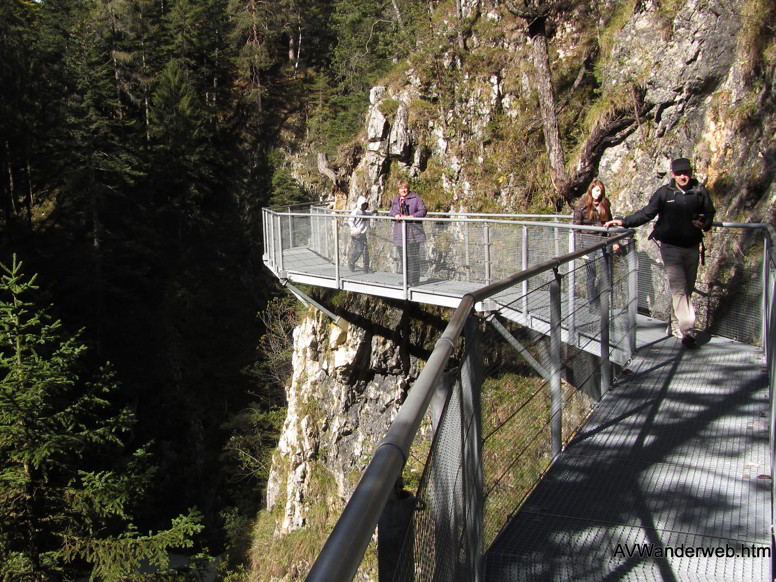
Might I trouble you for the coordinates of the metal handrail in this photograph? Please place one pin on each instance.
(437, 219)
(344, 211)
(344, 549)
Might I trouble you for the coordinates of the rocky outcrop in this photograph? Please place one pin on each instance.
(345, 391)
(693, 76)
(331, 419)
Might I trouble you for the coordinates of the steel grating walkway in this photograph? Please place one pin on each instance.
(673, 460)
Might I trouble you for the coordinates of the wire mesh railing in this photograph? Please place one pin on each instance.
(452, 254)
(533, 363)
(466, 248)
(535, 391)
(446, 531)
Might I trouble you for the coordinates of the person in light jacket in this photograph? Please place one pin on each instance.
(406, 206)
(359, 226)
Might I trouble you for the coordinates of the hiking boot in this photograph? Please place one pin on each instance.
(673, 332)
(688, 341)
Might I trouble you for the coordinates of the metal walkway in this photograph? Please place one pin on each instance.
(303, 265)
(668, 479)
(674, 460)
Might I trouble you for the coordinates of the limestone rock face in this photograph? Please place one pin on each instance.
(389, 139)
(694, 81)
(345, 390)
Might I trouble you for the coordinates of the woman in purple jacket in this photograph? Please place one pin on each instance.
(405, 206)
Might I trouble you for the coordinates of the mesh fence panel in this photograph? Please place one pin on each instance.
(481, 251)
(432, 547)
(730, 285)
(516, 413)
(728, 296)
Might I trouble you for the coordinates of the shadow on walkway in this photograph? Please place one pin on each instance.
(668, 462)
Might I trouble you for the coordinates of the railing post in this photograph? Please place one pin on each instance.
(766, 291)
(486, 234)
(271, 239)
(572, 276)
(279, 233)
(605, 298)
(315, 242)
(404, 262)
(290, 229)
(264, 234)
(336, 251)
(524, 265)
(466, 251)
(633, 295)
(471, 433)
(555, 368)
(769, 347)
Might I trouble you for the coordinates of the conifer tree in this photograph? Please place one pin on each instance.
(67, 483)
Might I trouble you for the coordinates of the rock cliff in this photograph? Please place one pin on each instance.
(346, 389)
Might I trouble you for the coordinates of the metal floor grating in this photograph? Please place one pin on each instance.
(675, 456)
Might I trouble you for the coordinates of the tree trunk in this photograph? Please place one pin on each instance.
(33, 547)
(459, 16)
(291, 47)
(298, 51)
(323, 167)
(255, 42)
(30, 200)
(98, 275)
(398, 14)
(11, 200)
(541, 62)
(116, 74)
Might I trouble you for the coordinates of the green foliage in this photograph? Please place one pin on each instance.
(248, 452)
(389, 107)
(121, 558)
(757, 38)
(515, 416)
(607, 38)
(667, 11)
(429, 186)
(286, 189)
(292, 554)
(365, 41)
(66, 483)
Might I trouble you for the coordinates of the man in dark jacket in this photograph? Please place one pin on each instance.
(684, 210)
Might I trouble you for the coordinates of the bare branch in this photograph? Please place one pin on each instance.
(323, 167)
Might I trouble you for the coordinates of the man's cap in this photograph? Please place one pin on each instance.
(681, 165)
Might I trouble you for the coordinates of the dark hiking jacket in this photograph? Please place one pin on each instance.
(676, 210)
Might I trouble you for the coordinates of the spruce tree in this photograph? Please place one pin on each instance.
(67, 482)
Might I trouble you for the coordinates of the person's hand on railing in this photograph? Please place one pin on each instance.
(613, 222)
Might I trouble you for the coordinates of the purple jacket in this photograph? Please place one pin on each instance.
(416, 208)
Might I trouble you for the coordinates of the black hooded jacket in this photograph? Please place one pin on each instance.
(676, 210)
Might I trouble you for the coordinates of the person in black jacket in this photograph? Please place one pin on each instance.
(684, 210)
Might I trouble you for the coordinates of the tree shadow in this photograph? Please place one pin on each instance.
(635, 475)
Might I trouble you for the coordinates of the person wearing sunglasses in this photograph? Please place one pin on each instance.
(684, 210)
